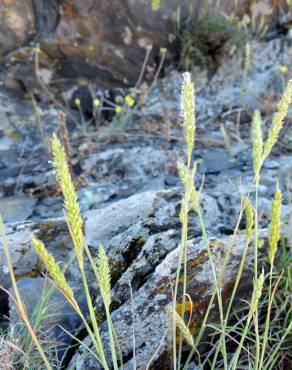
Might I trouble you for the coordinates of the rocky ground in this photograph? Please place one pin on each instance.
(130, 192)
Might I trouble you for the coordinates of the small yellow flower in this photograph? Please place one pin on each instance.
(283, 69)
(37, 49)
(119, 99)
(129, 101)
(96, 102)
(118, 109)
(82, 81)
(155, 5)
(77, 102)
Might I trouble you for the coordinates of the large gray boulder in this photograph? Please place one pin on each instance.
(141, 235)
(102, 39)
(105, 40)
(137, 232)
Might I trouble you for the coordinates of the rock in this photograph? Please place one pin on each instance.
(57, 312)
(96, 40)
(152, 295)
(119, 172)
(161, 207)
(285, 139)
(85, 97)
(6, 143)
(216, 161)
(138, 232)
(119, 216)
(25, 261)
(218, 96)
(17, 208)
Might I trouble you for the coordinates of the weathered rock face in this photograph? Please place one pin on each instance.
(153, 295)
(118, 226)
(138, 233)
(141, 235)
(104, 40)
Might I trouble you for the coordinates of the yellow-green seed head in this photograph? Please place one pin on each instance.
(185, 208)
(283, 69)
(257, 141)
(195, 200)
(278, 120)
(188, 179)
(181, 326)
(37, 49)
(188, 113)
(275, 225)
(257, 292)
(184, 174)
(249, 214)
(104, 276)
(72, 209)
(119, 99)
(53, 267)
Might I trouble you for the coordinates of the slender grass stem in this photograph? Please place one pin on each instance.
(271, 360)
(111, 337)
(179, 263)
(216, 282)
(271, 296)
(239, 348)
(255, 245)
(184, 244)
(108, 316)
(238, 277)
(225, 261)
(99, 348)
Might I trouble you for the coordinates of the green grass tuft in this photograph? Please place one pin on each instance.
(210, 38)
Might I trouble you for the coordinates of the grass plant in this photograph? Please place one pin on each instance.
(210, 37)
(261, 151)
(250, 342)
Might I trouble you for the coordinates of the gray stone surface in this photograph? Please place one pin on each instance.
(153, 294)
(17, 208)
(25, 261)
(94, 39)
(57, 313)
